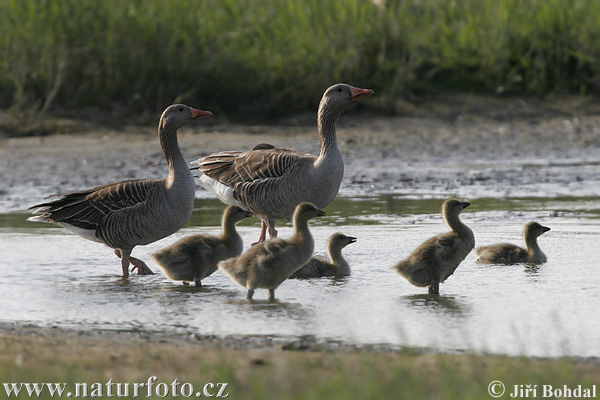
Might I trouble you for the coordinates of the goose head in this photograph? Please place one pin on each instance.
(341, 96)
(236, 214)
(339, 240)
(534, 230)
(178, 115)
(306, 211)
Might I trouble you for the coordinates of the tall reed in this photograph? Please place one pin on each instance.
(266, 57)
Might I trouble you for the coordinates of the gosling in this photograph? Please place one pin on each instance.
(267, 264)
(338, 266)
(196, 257)
(437, 258)
(506, 253)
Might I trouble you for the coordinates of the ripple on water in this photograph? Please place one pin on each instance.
(543, 310)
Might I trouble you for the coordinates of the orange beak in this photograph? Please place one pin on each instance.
(357, 93)
(199, 114)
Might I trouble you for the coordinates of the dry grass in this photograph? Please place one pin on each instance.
(275, 373)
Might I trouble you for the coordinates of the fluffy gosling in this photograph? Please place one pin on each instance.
(267, 264)
(437, 258)
(338, 266)
(507, 253)
(196, 257)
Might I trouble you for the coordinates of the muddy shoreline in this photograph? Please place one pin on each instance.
(265, 344)
(269, 343)
(465, 150)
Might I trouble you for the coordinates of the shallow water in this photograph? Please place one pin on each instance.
(52, 277)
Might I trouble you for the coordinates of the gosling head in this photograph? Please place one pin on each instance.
(341, 96)
(236, 214)
(178, 115)
(534, 229)
(308, 211)
(339, 240)
(454, 206)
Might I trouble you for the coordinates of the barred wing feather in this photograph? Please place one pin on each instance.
(231, 168)
(87, 209)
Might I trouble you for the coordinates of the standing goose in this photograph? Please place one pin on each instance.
(437, 258)
(135, 212)
(268, 264)
(506, 253)
(338, 266)
(195, 257)
(270, 181)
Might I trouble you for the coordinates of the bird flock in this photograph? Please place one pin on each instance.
(268, 182)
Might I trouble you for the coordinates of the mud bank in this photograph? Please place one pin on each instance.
(433, 155)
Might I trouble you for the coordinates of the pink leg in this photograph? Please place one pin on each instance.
(263, 233)
(136, 262)
(272, 230)
(125, 266)
(272, 233)
(124, 263)
(141, 266)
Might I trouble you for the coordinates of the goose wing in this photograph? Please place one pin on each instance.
(260, 179)
(233, 167)
(87, 209)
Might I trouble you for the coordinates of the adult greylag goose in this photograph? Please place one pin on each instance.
(268, 264)
(271, 181)
(135, 212)
(338, 266)
(506, 253)
(195, 257)
(437, 258)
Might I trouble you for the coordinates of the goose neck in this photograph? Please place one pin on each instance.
(336, 256)
(170, 147)
(229, 230)
(533, 249)
(327, 121)
(301, 232)
(453, 221)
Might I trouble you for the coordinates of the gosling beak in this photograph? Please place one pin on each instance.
(249, 214)
(465, 204)
(545, 228)
(199, 114)
(351, 239)
(320, 213)
(357, 94)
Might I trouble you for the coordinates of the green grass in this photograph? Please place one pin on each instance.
(277, 374)
(262, 58)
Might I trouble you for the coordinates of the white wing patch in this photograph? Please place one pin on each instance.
(89, 234)
(223, 192)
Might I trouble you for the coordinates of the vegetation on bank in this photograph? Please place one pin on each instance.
(274, 374)
(268, 57)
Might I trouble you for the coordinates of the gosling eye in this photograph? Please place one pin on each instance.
(180, 109)
(339, 89)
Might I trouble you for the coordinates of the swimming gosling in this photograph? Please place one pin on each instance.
(338, 266)
(196, 257)
(437, 258)
(267, 264)
(506, 253)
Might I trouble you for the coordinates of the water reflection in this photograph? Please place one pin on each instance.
(532, 269)
(438, 303)
(276, 310)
